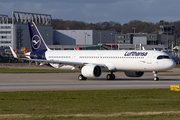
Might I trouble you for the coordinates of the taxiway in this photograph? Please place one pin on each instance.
(69, 81)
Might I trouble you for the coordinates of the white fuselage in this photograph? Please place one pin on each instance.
(114, 60)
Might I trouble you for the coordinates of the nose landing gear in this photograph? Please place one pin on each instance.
(155, 75)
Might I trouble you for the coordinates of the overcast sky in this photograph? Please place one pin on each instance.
(93, 11)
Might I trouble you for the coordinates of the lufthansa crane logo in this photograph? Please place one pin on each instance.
(36, 41)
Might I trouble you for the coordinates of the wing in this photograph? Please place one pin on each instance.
(65, 62)
(57, 62)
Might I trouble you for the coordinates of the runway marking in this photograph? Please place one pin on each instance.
(90, 115)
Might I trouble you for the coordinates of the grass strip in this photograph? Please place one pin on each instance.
(95, 104)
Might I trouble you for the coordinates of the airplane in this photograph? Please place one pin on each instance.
(93, 62)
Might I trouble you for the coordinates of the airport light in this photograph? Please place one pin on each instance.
(134, 29)
(100, 40)
(111, 41)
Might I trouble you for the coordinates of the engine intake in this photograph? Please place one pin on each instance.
(134, 73)
(91, 71)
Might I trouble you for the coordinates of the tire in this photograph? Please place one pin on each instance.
(85, 78)
(113, 77)
(80, 77)
(108, 77)
(156, 79)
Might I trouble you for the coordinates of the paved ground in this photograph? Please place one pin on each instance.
(24, 66)
(69, 81)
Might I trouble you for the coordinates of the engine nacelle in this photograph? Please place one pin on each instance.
(134, 73)
(91, 71)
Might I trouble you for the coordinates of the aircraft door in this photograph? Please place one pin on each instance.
(74, 57)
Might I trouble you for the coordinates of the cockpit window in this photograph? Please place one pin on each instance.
(163, 57)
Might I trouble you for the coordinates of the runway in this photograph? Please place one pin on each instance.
(69, 81)
(87, 85)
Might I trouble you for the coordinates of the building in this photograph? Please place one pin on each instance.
(137, 38)
(165, 38)
(83, 37)
(15, 33)
(6, 31)
(124, 38)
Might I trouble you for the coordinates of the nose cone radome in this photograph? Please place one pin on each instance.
(172, 64)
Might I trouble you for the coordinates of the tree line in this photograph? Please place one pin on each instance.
(140, 26)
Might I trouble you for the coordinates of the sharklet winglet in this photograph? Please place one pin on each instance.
(14, 54)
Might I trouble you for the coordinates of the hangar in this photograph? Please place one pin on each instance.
(83, 37)
(14, 31)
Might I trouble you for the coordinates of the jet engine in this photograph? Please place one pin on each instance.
(91, 71)
(134, 73)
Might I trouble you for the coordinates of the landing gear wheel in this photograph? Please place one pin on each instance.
(85, 78)
(81, 77)
(155, 76)
(156, 79)
(110, 76)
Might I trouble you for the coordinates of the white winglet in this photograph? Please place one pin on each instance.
(143, 48)
(14, 54)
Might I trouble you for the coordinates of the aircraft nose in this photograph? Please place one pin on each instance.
(173, 64)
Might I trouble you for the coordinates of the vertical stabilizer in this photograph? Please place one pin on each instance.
(36, 40)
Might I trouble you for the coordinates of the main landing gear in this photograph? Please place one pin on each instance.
(155, 75)
(110, 76)
(81, 77)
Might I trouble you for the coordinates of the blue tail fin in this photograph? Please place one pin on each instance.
(36, 40)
